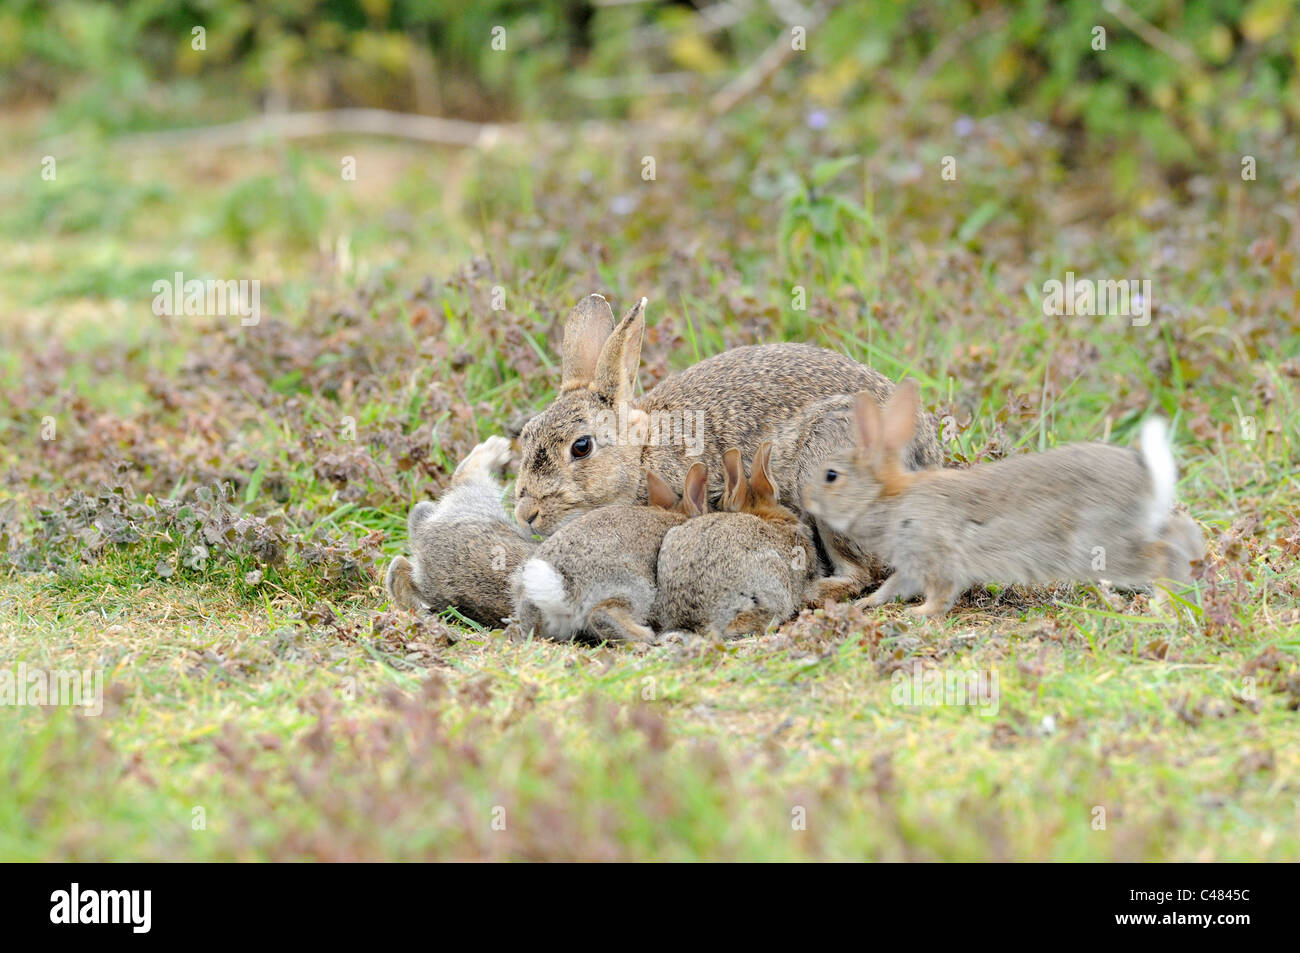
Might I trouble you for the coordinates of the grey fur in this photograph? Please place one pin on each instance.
(465, 547)
(1076, 513)
(606, 560)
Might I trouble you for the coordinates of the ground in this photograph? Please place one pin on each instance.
(200, 509)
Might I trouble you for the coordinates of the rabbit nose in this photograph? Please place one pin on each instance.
(526, 511)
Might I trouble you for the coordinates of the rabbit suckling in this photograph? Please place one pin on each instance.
(737, 571)
(616, 573)
(464, 548)
(595, 443)
(597, 575)
(1081, 512)
(629, 573)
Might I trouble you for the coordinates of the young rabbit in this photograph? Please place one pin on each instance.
(465, 548)
(1081, 512)
(596, 575)
(799, 447)
(737, 571)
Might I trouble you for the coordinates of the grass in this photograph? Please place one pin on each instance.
(264, 702)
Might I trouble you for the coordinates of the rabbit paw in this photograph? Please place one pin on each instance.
(833, 589)
(896, 586)
(485, 460)
(612, 622)
(930, 609)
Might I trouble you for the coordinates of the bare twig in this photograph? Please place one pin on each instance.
(278, 127)
(307, 125)
(762, 69)
(606, 87)
(1153, 35)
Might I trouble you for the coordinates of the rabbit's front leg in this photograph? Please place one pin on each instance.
(940, 594)
(897, 586)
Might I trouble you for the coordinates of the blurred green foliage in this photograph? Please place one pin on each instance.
(1193, 78)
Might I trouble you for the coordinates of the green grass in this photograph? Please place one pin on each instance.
(308, 720)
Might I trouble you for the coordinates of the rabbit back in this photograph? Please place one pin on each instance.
(602, 559)
(800, 396)
(731, 573)
(1081, 512)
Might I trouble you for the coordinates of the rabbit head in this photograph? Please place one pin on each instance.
(575, 454)
(852, 481)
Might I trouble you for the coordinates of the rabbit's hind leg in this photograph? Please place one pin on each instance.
(483, 462)
(1184, 545)
(1168, 565)
(613, 621)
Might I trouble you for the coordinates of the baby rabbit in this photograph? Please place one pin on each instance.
(596, 575)
(465, 547)
(1085, 511)
(737, 571)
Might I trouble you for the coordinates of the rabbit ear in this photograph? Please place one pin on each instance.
(898, 419)
(620, 358)
(585, 331)
(760, 480)
(866, 422)
(734, 491)
(696, 498)
(661, 494)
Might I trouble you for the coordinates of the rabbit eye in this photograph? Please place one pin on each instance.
(581, 448)
(831, 476)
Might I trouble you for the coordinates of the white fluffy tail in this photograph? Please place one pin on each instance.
(544, 588)
(1159, 459)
